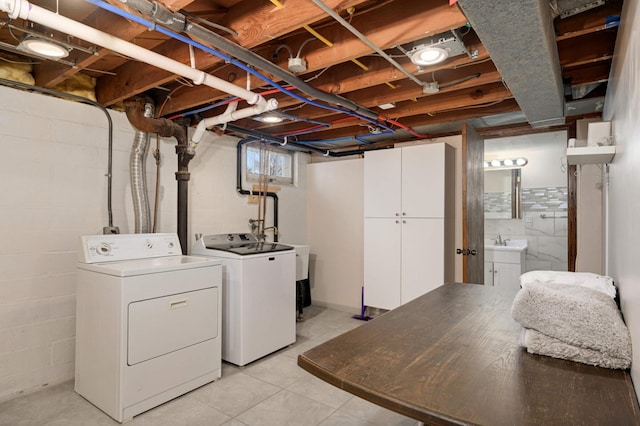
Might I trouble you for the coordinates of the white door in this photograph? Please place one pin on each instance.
(162, 325)
(382, 183)
(422, 257)
(423, 180)
(382, 262)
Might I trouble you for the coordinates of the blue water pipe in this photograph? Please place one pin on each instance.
(153, 26)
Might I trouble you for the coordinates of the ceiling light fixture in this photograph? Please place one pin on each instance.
(269, 118)
(43, 47)
(424, 55)
(506, 163)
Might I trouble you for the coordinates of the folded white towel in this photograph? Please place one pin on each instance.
(541, 344)
(577, 316)
(601, 283)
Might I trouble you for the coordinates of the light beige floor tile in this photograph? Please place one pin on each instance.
(311, 387)
(342, 419)
(234, 422)
(54, 404)
(278, 370)
(236, 393)
(185, 410)
(364, 410)
(286, 409)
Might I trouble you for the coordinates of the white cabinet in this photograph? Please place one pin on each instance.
(503, 266)
(503, 275)
(409, 218)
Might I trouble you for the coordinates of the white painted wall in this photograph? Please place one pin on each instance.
(335, 211)
(546, 153)
(622, 107)
(53, 190)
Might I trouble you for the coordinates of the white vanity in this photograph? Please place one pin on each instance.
(503, 264)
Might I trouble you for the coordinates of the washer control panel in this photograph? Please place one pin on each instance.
(114, 247)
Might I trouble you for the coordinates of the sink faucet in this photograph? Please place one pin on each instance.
(499, 241)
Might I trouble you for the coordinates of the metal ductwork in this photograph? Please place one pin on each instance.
(137, 172)
(520, 38)
(135, 108)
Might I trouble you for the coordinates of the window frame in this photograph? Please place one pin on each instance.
(281, 180)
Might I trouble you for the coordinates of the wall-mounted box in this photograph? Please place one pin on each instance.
(599, 133)
(591, 155)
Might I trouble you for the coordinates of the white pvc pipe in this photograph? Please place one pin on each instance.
(25, 10)
(229, 115)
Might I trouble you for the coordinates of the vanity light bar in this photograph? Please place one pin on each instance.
(507, 162)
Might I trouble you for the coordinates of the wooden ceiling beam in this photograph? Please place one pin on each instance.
(255, 21)
(50, 73)
(476, 98)
(585, 49)
(415, 16)
(508, 105)
(341, 79)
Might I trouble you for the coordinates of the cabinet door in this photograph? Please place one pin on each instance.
(423, 180)
(423, 262)
(488, 273)
(382, 183)
(506, 275)
(382, 262)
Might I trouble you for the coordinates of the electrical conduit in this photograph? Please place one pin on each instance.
(178, 22)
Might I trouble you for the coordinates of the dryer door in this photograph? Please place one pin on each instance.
(165, 324)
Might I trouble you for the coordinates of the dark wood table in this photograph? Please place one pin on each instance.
(452, 357)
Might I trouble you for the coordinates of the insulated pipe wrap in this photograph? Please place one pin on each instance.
(137, 172)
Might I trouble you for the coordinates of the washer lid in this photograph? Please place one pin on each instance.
(240, 244)
(128, 268)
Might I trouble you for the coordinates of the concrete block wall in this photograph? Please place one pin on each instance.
(53, 189)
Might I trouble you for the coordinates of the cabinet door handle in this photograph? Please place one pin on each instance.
(397, 221)
(397, 214)
(404, 221)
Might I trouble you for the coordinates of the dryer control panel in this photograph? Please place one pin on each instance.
(116, 247)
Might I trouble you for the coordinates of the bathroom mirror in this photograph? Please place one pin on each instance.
(502, 193)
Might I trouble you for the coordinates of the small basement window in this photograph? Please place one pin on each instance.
(280, 164)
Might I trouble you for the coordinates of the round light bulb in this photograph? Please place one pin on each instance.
(495, 163)
(508, 162)
(521, 161)
(428, 55)
(45, 48)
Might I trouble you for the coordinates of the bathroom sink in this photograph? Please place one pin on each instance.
(511, 245)
(513, 252)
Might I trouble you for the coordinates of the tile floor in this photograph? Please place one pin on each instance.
(271, 391)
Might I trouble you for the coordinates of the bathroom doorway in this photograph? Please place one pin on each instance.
(542, 197)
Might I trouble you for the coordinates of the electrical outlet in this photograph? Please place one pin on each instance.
(110, 230)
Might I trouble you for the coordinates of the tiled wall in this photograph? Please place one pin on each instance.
(53, 190)
(543, 225)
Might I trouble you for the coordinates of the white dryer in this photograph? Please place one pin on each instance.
(259, 294)
(148, 322)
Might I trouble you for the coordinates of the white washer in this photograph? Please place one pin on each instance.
(148, 322)
(259, 289)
